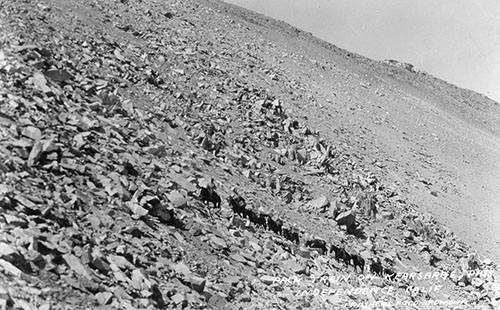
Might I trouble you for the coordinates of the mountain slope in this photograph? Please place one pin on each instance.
(409, 112)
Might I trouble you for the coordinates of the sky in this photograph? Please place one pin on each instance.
(455, 40)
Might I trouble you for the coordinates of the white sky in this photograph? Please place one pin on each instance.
(455, 40)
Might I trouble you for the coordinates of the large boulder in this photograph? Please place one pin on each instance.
(335, 209)
(346, 218)
(177, 199)
(319, 204)
(301, 156)
(303, 252)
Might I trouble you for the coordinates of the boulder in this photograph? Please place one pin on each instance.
(301, 156)
(104, 298)
(181, 268)
(268, 280)
(305, 253)
(196, 283)
(237, 222)
(182, 182)
(386, 215)
(494, 291)
(177, 199)
(218, 243)
(32, 133)
(6, 301)
(162, 213)
(335, 209)
(295, 267)
(15, 220)
(346, 218)
(6, 250)
(319, 204)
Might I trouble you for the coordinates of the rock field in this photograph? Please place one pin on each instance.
(172, 155)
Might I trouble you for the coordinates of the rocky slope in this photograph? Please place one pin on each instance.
(122, 122)
(432, 137)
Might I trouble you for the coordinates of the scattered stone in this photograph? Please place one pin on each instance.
(75, 264)
(8, 267)
(104, 298)
(293, 266)
(177, 199)
(40, 83)
(120, 261)
(320, 204)
(25, 305)
(32, 133)
(181, 268)
(218, 242)
(267, 280)
(407, 234)
(301, 156)
(305, 253)
(100, 264)
(217, 302)
(346, 218)
(58, 75)
(197, 283)
(182, 182)
(137, 209)
(178, 299)
(386, 215)
(15, 221)
(6, 301)
(6, 250)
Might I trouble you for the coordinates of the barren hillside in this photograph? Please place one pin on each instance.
(192, 154)
(419, 126)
